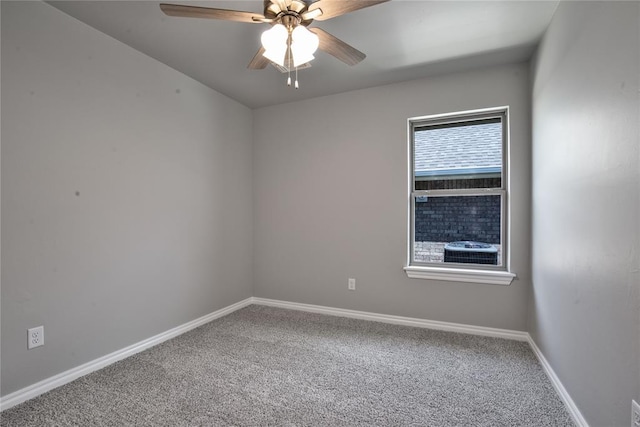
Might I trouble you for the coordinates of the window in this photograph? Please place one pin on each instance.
(458, 197)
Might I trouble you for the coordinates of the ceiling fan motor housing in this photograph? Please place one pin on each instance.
(287, 12)
(289, 20)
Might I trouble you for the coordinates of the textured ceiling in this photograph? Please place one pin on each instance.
(403, 40)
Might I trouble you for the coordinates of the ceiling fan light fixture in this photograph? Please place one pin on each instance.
(274, 41)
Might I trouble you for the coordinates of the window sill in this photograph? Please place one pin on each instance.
(490, 277)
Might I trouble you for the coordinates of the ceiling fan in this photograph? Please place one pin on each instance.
(289, 43)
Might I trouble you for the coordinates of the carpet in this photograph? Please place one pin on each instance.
(264, 366)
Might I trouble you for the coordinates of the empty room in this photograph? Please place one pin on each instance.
(320, 213)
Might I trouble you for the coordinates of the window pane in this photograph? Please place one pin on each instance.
(458, 229)
(458, 155)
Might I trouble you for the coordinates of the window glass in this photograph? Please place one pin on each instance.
(443, 222)
(458, 208)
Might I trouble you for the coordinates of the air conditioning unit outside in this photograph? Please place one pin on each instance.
(469, 252)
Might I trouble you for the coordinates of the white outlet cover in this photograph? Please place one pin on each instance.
(35, 337)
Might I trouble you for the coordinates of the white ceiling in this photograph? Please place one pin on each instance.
(403, 40)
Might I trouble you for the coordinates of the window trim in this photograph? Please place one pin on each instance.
(490, 277)
(475, 273)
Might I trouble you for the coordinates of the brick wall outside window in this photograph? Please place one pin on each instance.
(449, 219)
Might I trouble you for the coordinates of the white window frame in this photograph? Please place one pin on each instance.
(474, 273)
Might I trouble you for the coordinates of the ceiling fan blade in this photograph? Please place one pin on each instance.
(311, 14)
(336, 47)
(282, 4)
(271, 10)
(258, 62)
(332, 8)
(210, 13)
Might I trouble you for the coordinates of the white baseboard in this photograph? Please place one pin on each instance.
(573, 410)
(398, 320)
(43, 386)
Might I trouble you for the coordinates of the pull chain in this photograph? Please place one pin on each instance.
(289, 78)
(296, 85)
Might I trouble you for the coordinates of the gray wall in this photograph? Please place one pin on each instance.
(585, 314)
(319, 164)
(128, 199)
(160, 233)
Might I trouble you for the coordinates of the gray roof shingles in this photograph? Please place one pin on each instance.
(460, 147)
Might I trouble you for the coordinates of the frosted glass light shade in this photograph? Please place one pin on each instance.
(303, 45)
(274, 41)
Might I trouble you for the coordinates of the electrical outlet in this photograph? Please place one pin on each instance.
(635, 414)
(352, 284)
(35, 337)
